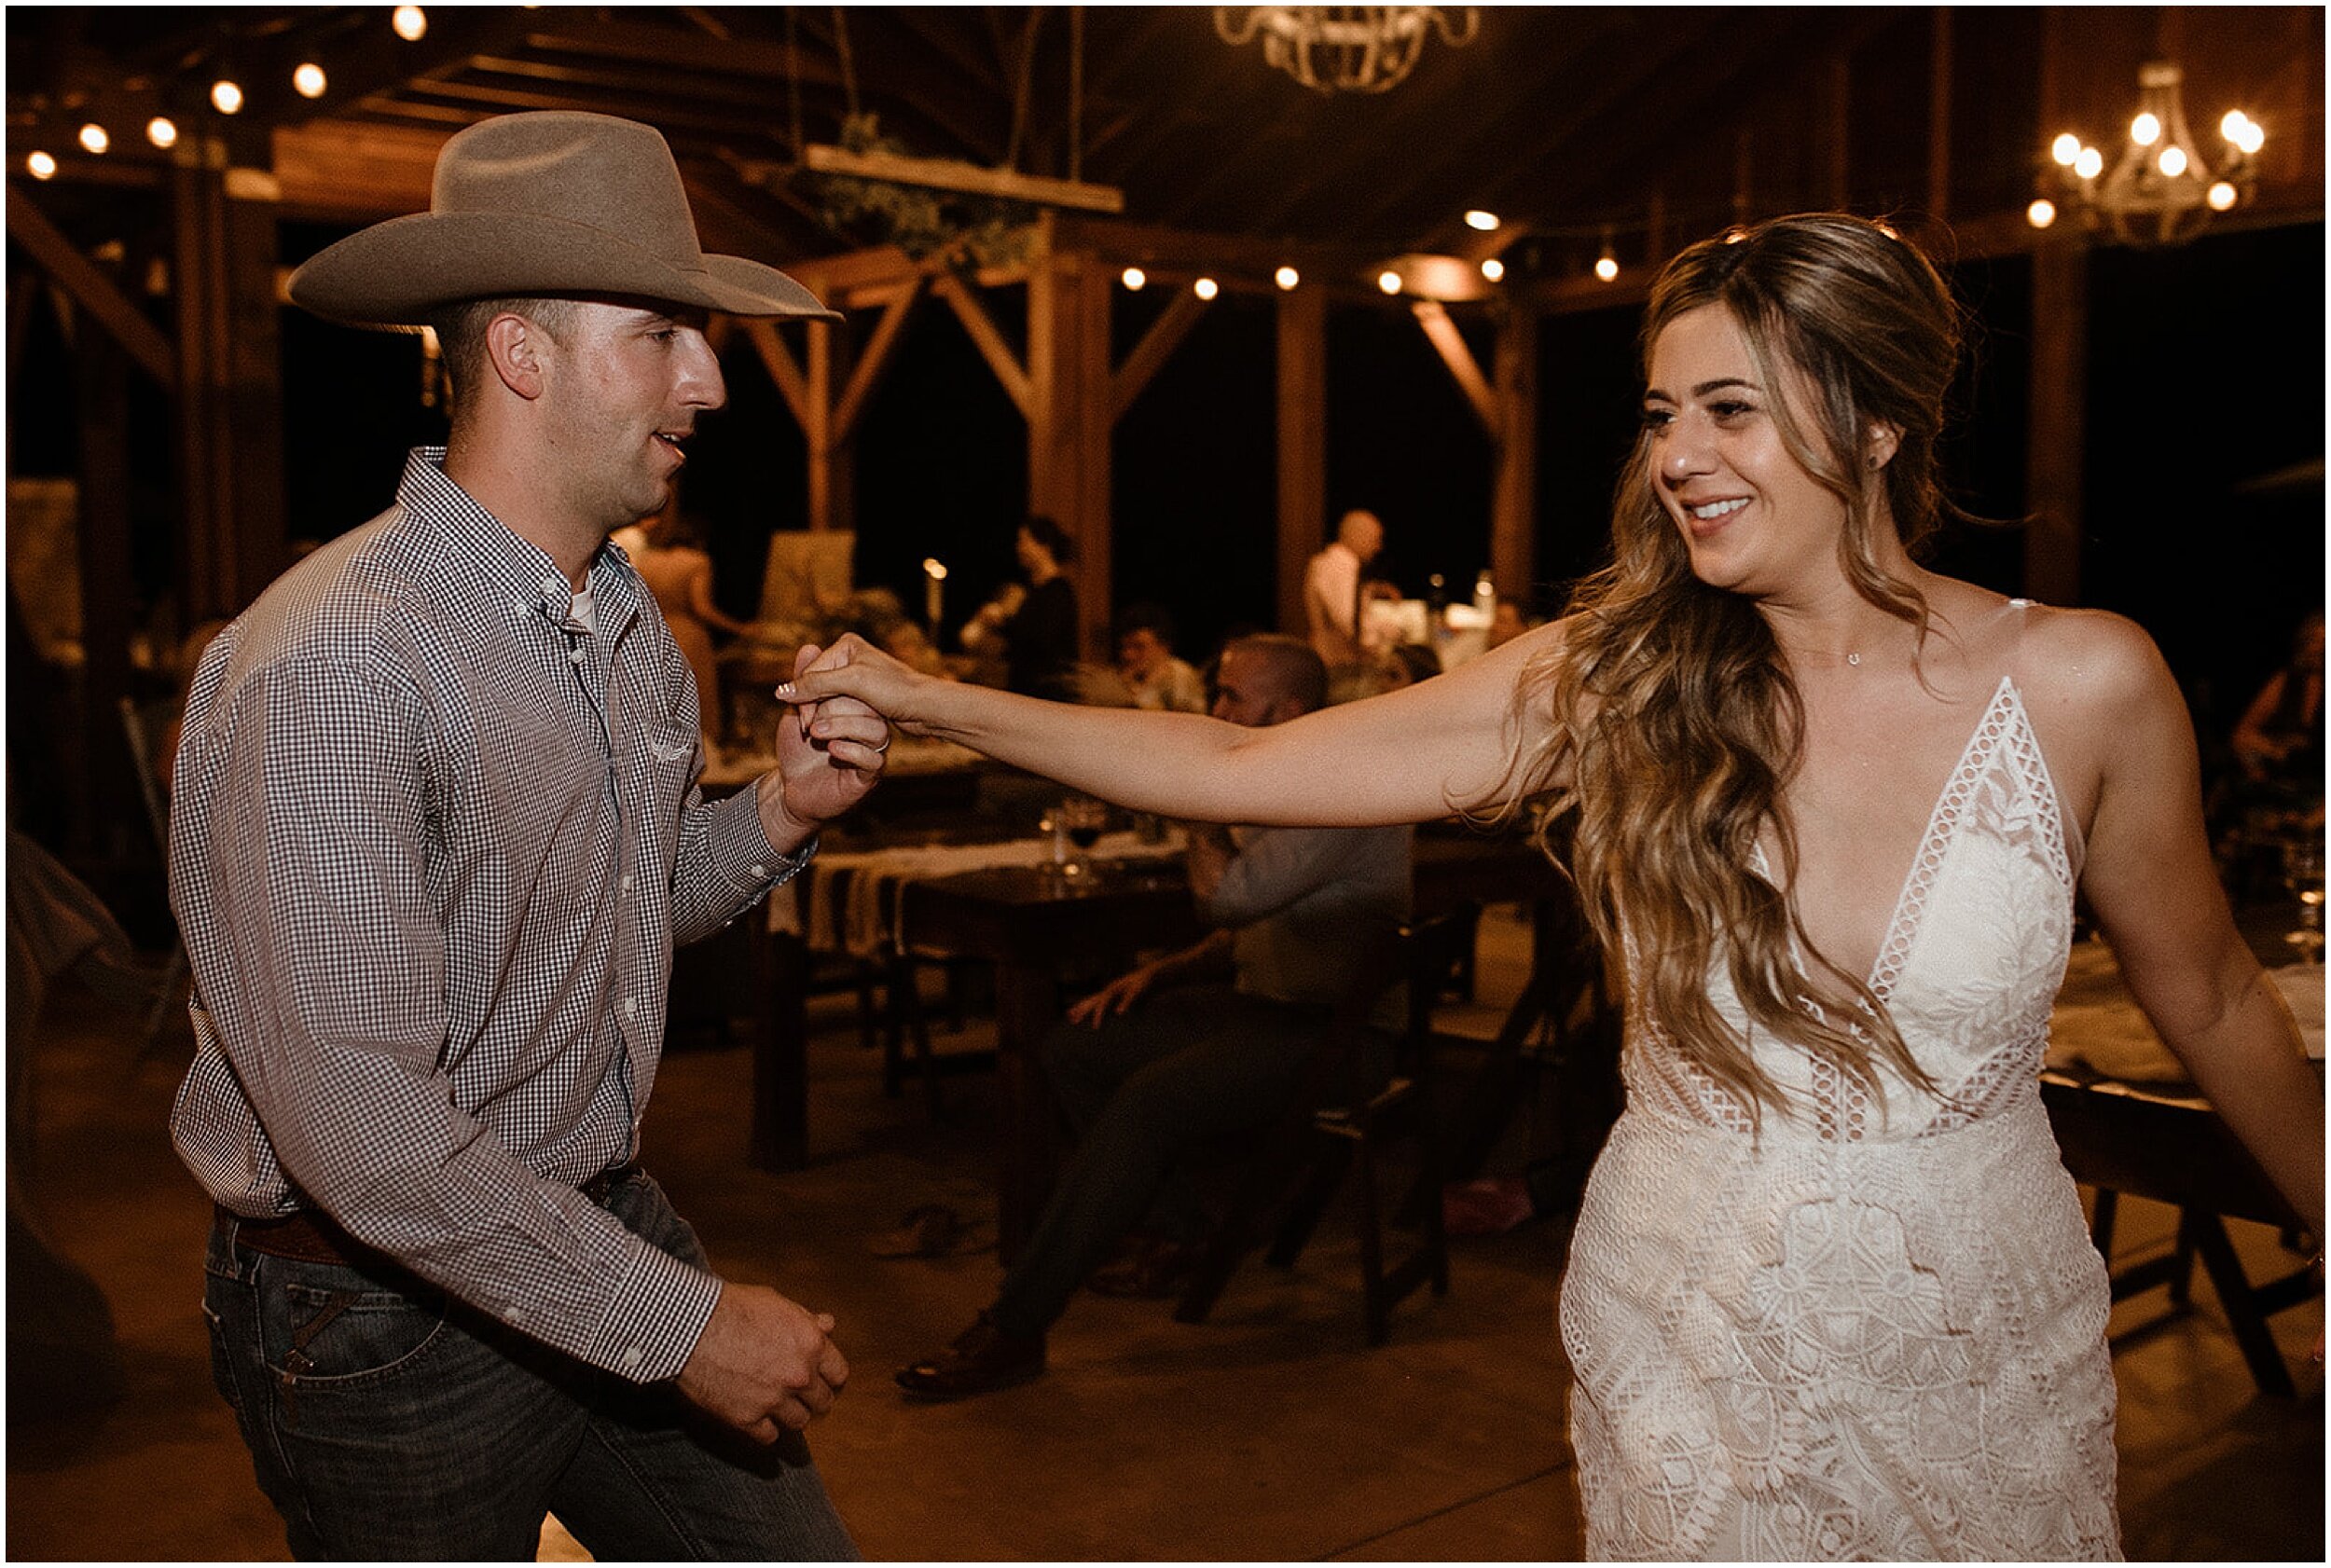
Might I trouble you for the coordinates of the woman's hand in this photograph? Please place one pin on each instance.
(854, 669)
(820, 775)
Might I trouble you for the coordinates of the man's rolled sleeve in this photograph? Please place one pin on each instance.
(733, 866)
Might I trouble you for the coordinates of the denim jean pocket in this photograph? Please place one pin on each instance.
(335, 1327)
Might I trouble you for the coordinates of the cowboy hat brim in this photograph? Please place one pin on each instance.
(401, 272)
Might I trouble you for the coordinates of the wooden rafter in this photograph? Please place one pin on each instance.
(988, 340)
(1434, 318)
(784, 369)
(79, 278)
(872, 363)
(1150, 355)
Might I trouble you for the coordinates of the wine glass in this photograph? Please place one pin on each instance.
(1083, 817)
(2302, 873)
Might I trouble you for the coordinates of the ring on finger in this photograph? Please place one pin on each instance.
(885, 746)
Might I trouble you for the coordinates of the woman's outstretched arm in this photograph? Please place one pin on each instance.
(1418, 753)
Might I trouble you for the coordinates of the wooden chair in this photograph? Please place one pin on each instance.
(1341, 1118)
(2152, 1142)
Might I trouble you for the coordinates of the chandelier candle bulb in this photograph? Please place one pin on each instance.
(1287, 277)
(2065, 150)
(1133, 278)
(410, 22)
(308, 80)
(1389, 281)
(40, 165)
(2090, 164)
(163, 132)
(2145, 129)
(1485, 222)
(2222, 197)
(1206, 288)
(225, 96)
(934, 574)
(93, 138)
(2173, 161)
(2041, 212)
(1492, 268)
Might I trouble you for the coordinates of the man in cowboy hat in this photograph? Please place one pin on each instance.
(437, 831)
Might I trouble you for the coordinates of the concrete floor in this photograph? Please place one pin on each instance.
(1270, 1433)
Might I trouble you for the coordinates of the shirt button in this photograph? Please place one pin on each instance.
(556, 585)
(630, 1007)
(575, 657)
(760, 870)
(633, 1356)
(515, 1315)
(626, 881)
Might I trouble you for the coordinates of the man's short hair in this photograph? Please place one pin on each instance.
(1057, 541)
(461, 330)
(1292, 667)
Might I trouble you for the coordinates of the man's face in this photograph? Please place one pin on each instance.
(1243, 692)
(627, 382)
(1367, 539)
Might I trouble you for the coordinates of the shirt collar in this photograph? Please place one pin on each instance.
(485, 555)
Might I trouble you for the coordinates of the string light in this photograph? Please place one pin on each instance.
(93, 138)
(1492, 268)
(1287, 277)
(1607, 268)
(2065, 150)
(1388, 280)
(163, 132)
(2041, 212)
(2145, 129)
(2222, 196)
(308, 80)
(1133, 278)
(2090, 164)
(1485, 222)
(1206, 288)
(225, 96)
(410, 22)
(40, 166)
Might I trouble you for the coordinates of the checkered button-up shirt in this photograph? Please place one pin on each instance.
(435, 834)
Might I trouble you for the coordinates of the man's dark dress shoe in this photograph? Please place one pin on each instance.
(981, 1359)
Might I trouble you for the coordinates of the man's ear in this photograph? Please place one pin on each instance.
(516, 349)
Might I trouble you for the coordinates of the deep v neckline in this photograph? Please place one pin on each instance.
(1899, 932)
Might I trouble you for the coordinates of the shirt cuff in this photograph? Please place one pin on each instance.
(659, 1312)
(740, 847)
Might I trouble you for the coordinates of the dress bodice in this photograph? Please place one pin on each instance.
(1968, 968)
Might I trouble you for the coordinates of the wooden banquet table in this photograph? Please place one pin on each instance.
(1035, 929)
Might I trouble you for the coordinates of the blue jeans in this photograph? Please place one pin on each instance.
(419, 1428)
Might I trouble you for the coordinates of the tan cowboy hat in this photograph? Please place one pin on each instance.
(559, 203)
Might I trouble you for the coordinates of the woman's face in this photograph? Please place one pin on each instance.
(1753, 520)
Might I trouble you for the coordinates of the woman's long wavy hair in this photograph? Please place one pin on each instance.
(1692, 725)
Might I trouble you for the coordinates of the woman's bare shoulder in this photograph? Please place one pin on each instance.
(2091, 659)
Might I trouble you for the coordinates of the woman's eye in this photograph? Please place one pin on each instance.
(1656, 420)
(1730, 410)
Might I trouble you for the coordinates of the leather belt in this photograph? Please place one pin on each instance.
(312, 1236)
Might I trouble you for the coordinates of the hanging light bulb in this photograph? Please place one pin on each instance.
(2145, 129)
(163, 132)
(308, 80)
(2223, 196)
(2065, 150)
(1606, 266)
(227, 96)
(1388, 280)
(2041, 212)
(2172, 161)
(2090, 164)
(1287, 277)
(40, 166)
(1492, 268)
(1206, 288)
(93, 138)
(410, 22)
(1485, 222)
(1133, 278)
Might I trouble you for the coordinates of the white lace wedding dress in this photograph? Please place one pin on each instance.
(1862, 1334)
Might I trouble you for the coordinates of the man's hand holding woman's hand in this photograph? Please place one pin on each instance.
(828, 757)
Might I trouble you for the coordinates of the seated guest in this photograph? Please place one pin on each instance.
(1146, 661)
(2280, 738)
(1201, 1046)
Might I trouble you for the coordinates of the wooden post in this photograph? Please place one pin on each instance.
(1302, 446)
(832, 496)
(107, 800)
(2052, 483)
(1068, 416)
(230, 408)
(1513, 496)
(1938, 119)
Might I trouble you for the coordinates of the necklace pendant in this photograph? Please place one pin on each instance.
(1853, 659)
